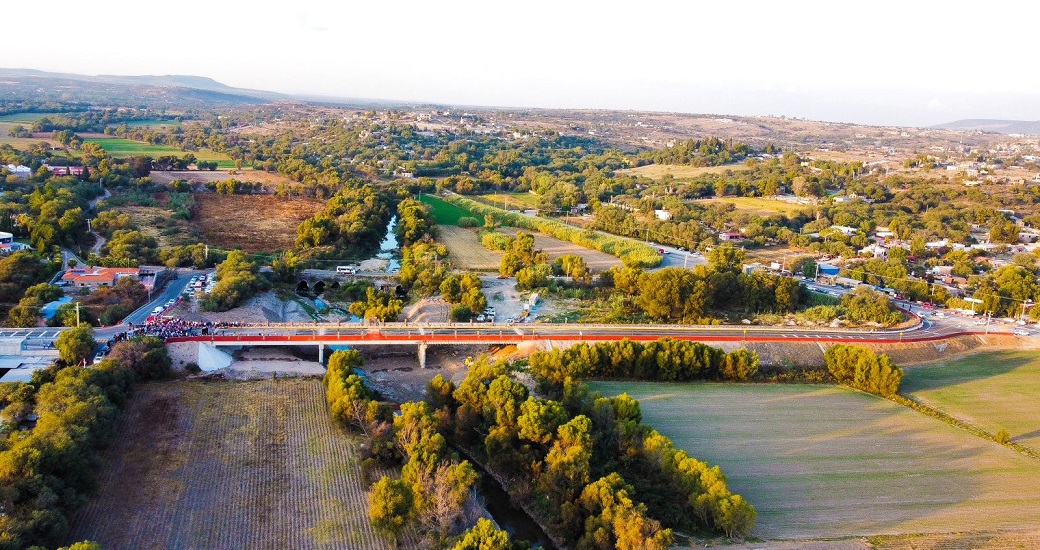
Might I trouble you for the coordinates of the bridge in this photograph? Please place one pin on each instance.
(424, 335)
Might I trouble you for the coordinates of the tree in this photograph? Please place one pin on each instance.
(539, 419)
(286, 267)
(788, 294)
(25, 314)
(864, 305)
(451, 486)
(76, 344)
(390, 507)
(567, 466)
(861, 368)
(484, 536)
(145, 356)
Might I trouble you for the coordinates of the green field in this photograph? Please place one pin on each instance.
(119, 147)
(992, 391)
(510, 201)
(822, 462)
(26, 118)
(445, 213)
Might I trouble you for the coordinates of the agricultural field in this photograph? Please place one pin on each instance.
(991, 390)
(759, 206)
(825, 462)
(119, 147)
(25, 118)
(445, 213)
(658, 171)
(23, 143)
(511, 201)
(777, 253)
(596, 260)
(253, 223)
(465, 249)
(229, 465)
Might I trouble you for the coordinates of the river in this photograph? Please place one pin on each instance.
(510, 518)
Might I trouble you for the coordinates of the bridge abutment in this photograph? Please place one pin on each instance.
(422, 355)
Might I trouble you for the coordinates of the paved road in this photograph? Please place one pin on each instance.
(173, 290)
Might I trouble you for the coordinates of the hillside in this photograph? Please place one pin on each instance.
(993, 125)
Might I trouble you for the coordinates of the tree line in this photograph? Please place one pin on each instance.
(664, 360)
(55, 426)
(433, 494)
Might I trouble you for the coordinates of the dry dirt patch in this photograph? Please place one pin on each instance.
(206, 176)
(465, 248)
(596, 260)
(253, 223)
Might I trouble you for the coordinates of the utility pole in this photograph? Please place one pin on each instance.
(77, 314)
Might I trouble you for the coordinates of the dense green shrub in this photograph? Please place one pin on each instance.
(861, 368)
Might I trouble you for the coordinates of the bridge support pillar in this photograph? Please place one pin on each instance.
(321, 354)
(422, 355)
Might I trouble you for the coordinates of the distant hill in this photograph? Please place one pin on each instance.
(992, 125)
(152, 91)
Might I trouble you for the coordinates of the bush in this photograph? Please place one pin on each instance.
(467, 221)
(460, 313)
(493, 240)
(861, 368)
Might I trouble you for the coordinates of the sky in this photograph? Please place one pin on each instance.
(908, 62)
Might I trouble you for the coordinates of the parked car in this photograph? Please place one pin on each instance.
(1021, 332)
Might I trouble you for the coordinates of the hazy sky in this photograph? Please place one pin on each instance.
(880, 62)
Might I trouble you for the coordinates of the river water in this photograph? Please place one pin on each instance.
(511, 519)
(388, 247)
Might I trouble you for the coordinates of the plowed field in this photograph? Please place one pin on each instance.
(229, 465)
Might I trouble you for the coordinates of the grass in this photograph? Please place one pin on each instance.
(120, 148)
(823, 462)
(759, 206)
(658, 171)
(991, 391)
(229, 465)
(445, 213)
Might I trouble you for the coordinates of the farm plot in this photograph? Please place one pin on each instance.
(658, 171)
(445, 213)
(992, 391)
(758, 206)
(511, 201)
(229, 465)
(253, 223)
(822, 462)
(596, 260)
(465, 249)
(119, 147)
